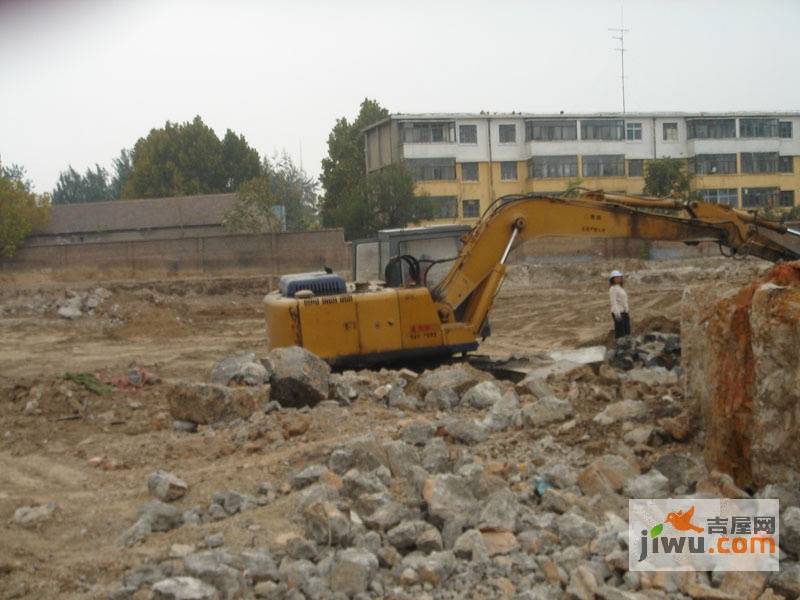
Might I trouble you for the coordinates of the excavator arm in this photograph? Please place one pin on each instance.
(467, 291)
(380, 324)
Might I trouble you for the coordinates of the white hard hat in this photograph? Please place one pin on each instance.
(615, 274)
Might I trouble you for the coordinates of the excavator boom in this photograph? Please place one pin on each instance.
(381, 324)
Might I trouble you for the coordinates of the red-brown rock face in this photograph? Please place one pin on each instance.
(741, 356)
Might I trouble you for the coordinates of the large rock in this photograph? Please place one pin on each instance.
(606, 475)
(242, 369)
(28, 516)
(650, 485)
(455, 377)
(352, 571)
(166, 486)
(742, 357)
(450, 497)
(299, 378)
(183, 588)
(160, 516)
(482, 395)
(204, 403)
(546, 410)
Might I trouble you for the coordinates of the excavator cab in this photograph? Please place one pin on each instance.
(408, 257)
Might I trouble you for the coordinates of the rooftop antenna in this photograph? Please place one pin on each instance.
(621, 31)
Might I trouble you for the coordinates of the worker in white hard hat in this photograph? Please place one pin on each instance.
(619, 305)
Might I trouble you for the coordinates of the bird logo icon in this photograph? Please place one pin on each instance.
(682, 521)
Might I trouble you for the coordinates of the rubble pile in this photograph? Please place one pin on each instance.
(479, 491)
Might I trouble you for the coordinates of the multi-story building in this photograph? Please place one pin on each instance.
(465, 161)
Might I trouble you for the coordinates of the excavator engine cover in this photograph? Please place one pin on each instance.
(321, 284)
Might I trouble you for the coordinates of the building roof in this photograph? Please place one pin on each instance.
(565, 115)
(150, 213)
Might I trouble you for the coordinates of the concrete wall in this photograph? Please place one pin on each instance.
(274, 254)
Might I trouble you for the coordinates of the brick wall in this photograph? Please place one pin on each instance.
(274, 254)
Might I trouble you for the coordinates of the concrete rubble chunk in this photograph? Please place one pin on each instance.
(326, 524)
(582, 584)
(536, 387)
(654, 377)
(470, 545)
(160, 516)
(241, 369)
(307, 476)
(405, 535)
(622, 410)
(499, 510)
(166, 486)
(546, 410)
(203, 403)
(450, 497)
(499, 541)
(457, 377)
(650, 485)
(606, 475)
(466, 430)
(482, 395)
(790, 530)
(299, 378)
(436, 456)
(575, 530)
(29, 516)
(183, 588)
(418, 432)
(443, 398)
(504, 413)
(259, 565)
(218, 568)
(352, 571)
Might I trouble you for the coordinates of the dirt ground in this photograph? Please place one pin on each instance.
(91, 454)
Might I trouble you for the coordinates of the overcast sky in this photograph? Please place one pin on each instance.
(81, 79)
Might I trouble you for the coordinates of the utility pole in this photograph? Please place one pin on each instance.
(621, 31)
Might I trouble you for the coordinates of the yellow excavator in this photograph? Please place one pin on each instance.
(362, 323)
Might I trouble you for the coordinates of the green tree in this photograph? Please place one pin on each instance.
(256, 209)
(284, 189)
(72, 187)
(123, 165)
(344, 171)
(390, 200)
(21, 211)
(188, 158)
(667, 177)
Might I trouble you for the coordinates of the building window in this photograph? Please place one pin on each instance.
(602, 129)
(786, 164)
(758, 128)
(703, 129)
(729, 196)
(787, 198)
(432, 169)
(785, 129)
(636, 167)
(604, 165)
(551, 131)
(759, 162)
(471, 209)
(541, 167)
(428, 132)
(469, 171)
(508, 171)
(444, 207)
(670, 132)
(759, 197)
(467, 134)
(712, 164)
(508, 134)
(633, 131)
